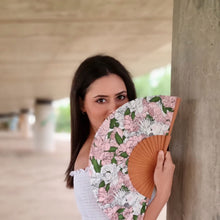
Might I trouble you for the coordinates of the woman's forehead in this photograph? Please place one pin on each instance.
(107, 85)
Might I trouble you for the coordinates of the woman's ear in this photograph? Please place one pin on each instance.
(81, 102)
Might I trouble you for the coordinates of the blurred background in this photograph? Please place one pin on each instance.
(41, 45)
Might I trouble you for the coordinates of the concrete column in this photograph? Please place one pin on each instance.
(24, 122)
(44, 125)
(195, 77)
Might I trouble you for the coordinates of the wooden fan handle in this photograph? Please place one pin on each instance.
(174, 114)
(166, 143)
(168, 137)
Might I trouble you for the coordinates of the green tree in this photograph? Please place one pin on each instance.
(155, 83)
(63, 118)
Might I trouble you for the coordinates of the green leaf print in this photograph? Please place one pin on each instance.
(109, 134)
(114, 160)
(116, 124)
(112, 122)
(102, 184)
(170, 109)
(97, 167)
(107, 187)
(149, 117)
(166, 109)
(121, 217)
(124, 154)
(126, 162)
(143, 209)
(133, 115)
(124, 188)
(155, 99)
(135, 217)
(112, 149)
(127, 112)
(118, 138)
(120, 210)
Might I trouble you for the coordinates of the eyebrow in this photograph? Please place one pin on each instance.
(107, 96)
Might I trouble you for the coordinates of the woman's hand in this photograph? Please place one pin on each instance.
(163, 175)
(163, 178)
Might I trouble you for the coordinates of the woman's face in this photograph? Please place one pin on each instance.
(104, 96)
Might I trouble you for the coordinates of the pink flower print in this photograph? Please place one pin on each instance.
(144, 102)
(140, 217)
(120, 159)
(123, 148)
(107, 157)
(106, 161)
(132, 142)
(130, 125)
(169, 101)
(128, 213)
(127, 181)
(106, 146)
(102, 194)
(127, 122)
(159, 117)
(102, 131)
(112, 212)
(120, 132)
(156, 112)
(104, 197)
(153, 108)
(98, 150)
(124, 180)
(169, 116)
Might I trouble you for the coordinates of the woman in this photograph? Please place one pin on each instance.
(102, 84)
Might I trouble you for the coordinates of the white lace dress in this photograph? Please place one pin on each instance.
(84, 196)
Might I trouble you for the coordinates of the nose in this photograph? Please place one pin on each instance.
(112, 107)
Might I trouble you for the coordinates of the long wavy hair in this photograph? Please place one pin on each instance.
(90, 70)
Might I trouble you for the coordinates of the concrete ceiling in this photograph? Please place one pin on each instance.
(42, 42)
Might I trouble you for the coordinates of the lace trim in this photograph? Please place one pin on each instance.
(79, 171)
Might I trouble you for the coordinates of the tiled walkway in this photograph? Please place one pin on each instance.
(32, 184)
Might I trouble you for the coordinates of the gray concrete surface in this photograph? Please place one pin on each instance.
(196, 139)
(31, 184)
(43, 42)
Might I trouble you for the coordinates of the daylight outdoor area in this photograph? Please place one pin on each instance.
(41, 45)
(34, 181)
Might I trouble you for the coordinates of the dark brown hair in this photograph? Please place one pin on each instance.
(89, 70)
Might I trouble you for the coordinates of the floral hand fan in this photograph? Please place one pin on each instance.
(124, 152)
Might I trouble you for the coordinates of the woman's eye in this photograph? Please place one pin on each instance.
(101, 100)
(121, 97)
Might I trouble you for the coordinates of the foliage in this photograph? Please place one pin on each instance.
(63, 118)
(155, 83)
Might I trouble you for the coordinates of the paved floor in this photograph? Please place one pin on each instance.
(32, 184)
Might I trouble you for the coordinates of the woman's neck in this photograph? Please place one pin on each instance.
(91, 134)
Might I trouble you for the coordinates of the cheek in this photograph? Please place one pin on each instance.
(96, 116)
(120, 103)
(125, 101)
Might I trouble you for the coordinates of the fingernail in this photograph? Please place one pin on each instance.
(160, 152)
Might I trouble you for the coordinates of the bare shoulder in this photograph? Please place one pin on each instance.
(82, 160)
